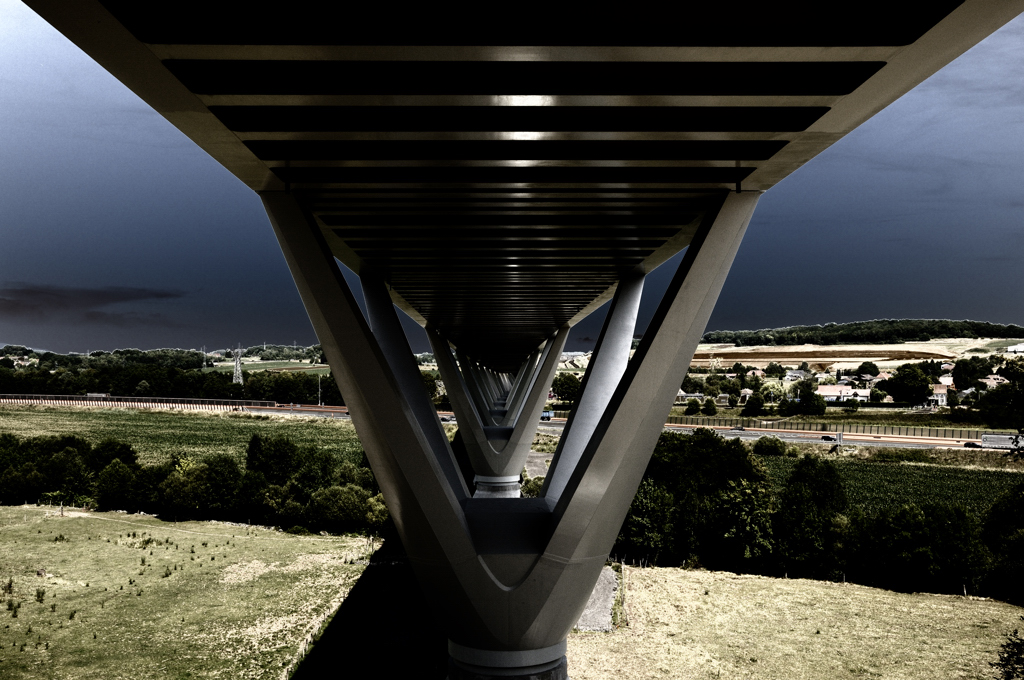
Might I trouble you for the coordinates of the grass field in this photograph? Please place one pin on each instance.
(156, 434)
(128, 596)
(697, 624)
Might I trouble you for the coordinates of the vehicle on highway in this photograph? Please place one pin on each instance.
(827, 438)
(998, 441)
(547, 415)
(972, 445)
(738, 428)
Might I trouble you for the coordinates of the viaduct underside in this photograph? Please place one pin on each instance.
(499, 183)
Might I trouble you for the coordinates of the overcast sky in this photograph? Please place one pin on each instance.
(117, 231)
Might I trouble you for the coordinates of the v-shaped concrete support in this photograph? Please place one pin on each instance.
(508, 576)
(498, 452)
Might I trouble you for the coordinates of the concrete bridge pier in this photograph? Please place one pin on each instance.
(509, 576)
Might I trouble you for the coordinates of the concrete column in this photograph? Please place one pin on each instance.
(474, 388)
(608, 363)
(521, 386)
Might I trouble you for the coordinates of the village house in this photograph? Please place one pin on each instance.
(842, 393)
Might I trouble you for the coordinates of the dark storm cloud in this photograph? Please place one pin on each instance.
(20, 301)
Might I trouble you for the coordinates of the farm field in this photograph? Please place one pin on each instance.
(875, 485)
(699, 624)
(129, 596)
(156, 434)
(848, 356)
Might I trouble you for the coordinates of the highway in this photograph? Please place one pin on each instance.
(554, 426)
(750, 434)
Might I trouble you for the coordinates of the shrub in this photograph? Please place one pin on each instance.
(1011, 657)
(769, 446)
(709, 409)
(338, 508)
(377, 514)
(532, 486)
(692, 407)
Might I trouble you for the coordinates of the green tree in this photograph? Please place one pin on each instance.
(430, 383)
(704, 500)
(709, 409)
(115, 486)
(909, 384)
(647, 529)
(772, 391)
(754, 405)
(1003, 533)
(805, 521)
(866, 368)
(691, 385)
(692, 407)
(566, 386)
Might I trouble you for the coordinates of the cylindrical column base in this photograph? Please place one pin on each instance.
(553, 670)
(496, 487)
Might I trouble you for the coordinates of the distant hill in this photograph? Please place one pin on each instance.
(880, 331)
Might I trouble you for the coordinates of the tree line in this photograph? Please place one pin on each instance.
(143, 380)
(276, 483)
(881, 331)
(707, 501)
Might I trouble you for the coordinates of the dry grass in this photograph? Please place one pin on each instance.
(696, 624)
(242, 605)
(156, 433)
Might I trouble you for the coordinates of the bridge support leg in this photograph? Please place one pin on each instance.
(509, 577)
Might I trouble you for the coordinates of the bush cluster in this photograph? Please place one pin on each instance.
(278, 483)
(706, 501)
